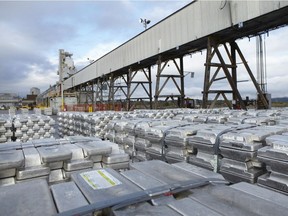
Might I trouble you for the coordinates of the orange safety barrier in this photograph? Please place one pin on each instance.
(91, 108)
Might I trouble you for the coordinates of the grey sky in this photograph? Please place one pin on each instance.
(33, 31)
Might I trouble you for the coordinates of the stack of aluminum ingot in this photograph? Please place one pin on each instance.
(239, 149)
(95, 124)
(31, 127)
(5, 128)
(146, 135)
(96, 127)
(135, 142)
(275, 157)
(56, 160)
(177, 139)
(122, 132)
(205, 144)
(25, 127)
(86, 124)
(66, 124)
(148, 188)
(156, 137)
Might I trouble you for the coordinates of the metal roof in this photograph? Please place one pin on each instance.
(186, 31)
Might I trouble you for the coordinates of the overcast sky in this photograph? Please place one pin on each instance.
(32, 32)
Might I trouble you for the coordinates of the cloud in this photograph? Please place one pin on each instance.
(33, 31)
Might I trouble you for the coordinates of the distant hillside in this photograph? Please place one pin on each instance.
(282, 99)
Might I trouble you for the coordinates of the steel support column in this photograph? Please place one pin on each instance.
(230, 74)
(213, 48)
(133, 85)
(111, 89)
(177, 79)
(256, 84)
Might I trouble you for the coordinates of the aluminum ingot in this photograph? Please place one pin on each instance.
(32, 157)
(7, 181)
(11, 159)
(77, 165)
(32, 172)
(56, 176)
(67, 196)
(115, 158)
(95, 148)
(54, 153)
(103, 184)
(31, 198)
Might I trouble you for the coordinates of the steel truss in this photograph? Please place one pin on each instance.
(86, 93)
(177, 79)
(145, 84)
(230, 73)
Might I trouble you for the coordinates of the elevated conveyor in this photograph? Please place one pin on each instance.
(184, 32)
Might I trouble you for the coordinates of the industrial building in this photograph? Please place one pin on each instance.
(211, 25)
(9, 100)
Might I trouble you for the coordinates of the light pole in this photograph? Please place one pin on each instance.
(145, 22)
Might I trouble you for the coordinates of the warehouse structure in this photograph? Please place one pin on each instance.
(211, 25)
(9, 100)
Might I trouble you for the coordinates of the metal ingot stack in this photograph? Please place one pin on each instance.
(85, 124)
(116, 161)
(79, 127)
(156, 136)
(60, 119)
(216, 119)
(66, 124)
(11, 159)
(141, 143)
(259, 120)
(23, 128)
(33, 166)
(135, 142)
(177, 142)
(95, 120)
(5, 129)
(54, 158)
(115, 133)
(135, 146)
(275, 157)
(120, 133)
(148, 188)
(204, 144)
(78, 161)
(197, 117)
(239, 149)
(44, 158)
(110, 134)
